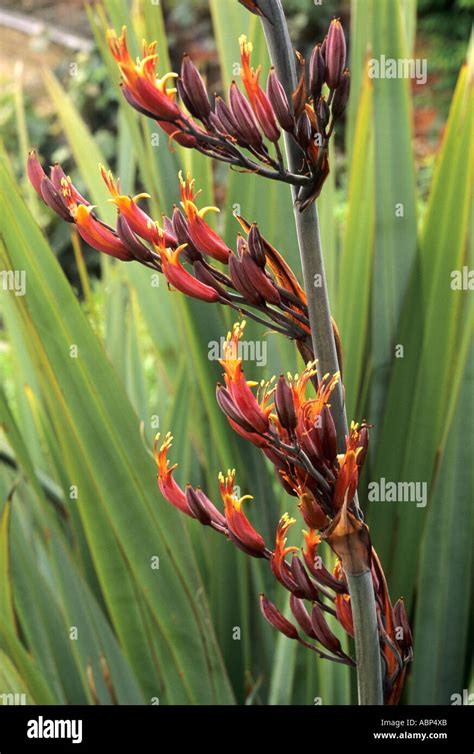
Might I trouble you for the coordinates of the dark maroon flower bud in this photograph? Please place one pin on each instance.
(321, 574)
(326, 431)
(323, 47)
(323, 114)
(227, 121)
(216, 516)
(259, 279)
(54, 200)
(192, 91)
(203, 509)
(245, 118)
(204, 275)
(241, 245)
(302, 579)
(335, 55)
(228, 407)
(279, 102)
(282, 572)
(141, 252)
(241, 283)
(362, 443)
(302, 616)
(323, 633)
(284, 404)
(276, 619)
(304, 131)
(266, 116)
(180, 226)
(255, 246)
(196, 507)
(35, 172)
(216, 125)
(317, 73)
(341, 96)
(169, 231)
(180, 231)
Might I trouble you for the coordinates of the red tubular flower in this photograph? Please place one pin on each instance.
(281, 569)
(260, 102)
(170, 490)
(201, 234)
(349, 465)
(137, 219)
(315, 565)
(343, 603)
(255, 413)
(178, 276)
(241, 531)
(344, 613)
(312, 513)
(140, 78)
(147, 93)
(48, 192)
(95, 233)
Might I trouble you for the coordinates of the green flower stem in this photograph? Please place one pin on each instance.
(369, 669)
(361, 590)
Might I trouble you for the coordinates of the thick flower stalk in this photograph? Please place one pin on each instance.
(253, 123)
(290, 421)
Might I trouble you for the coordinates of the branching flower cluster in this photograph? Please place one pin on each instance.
(252, 123)
(296, 433)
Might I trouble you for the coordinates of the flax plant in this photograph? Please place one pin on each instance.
(281, 132)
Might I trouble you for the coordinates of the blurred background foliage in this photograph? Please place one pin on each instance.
(81, 515)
